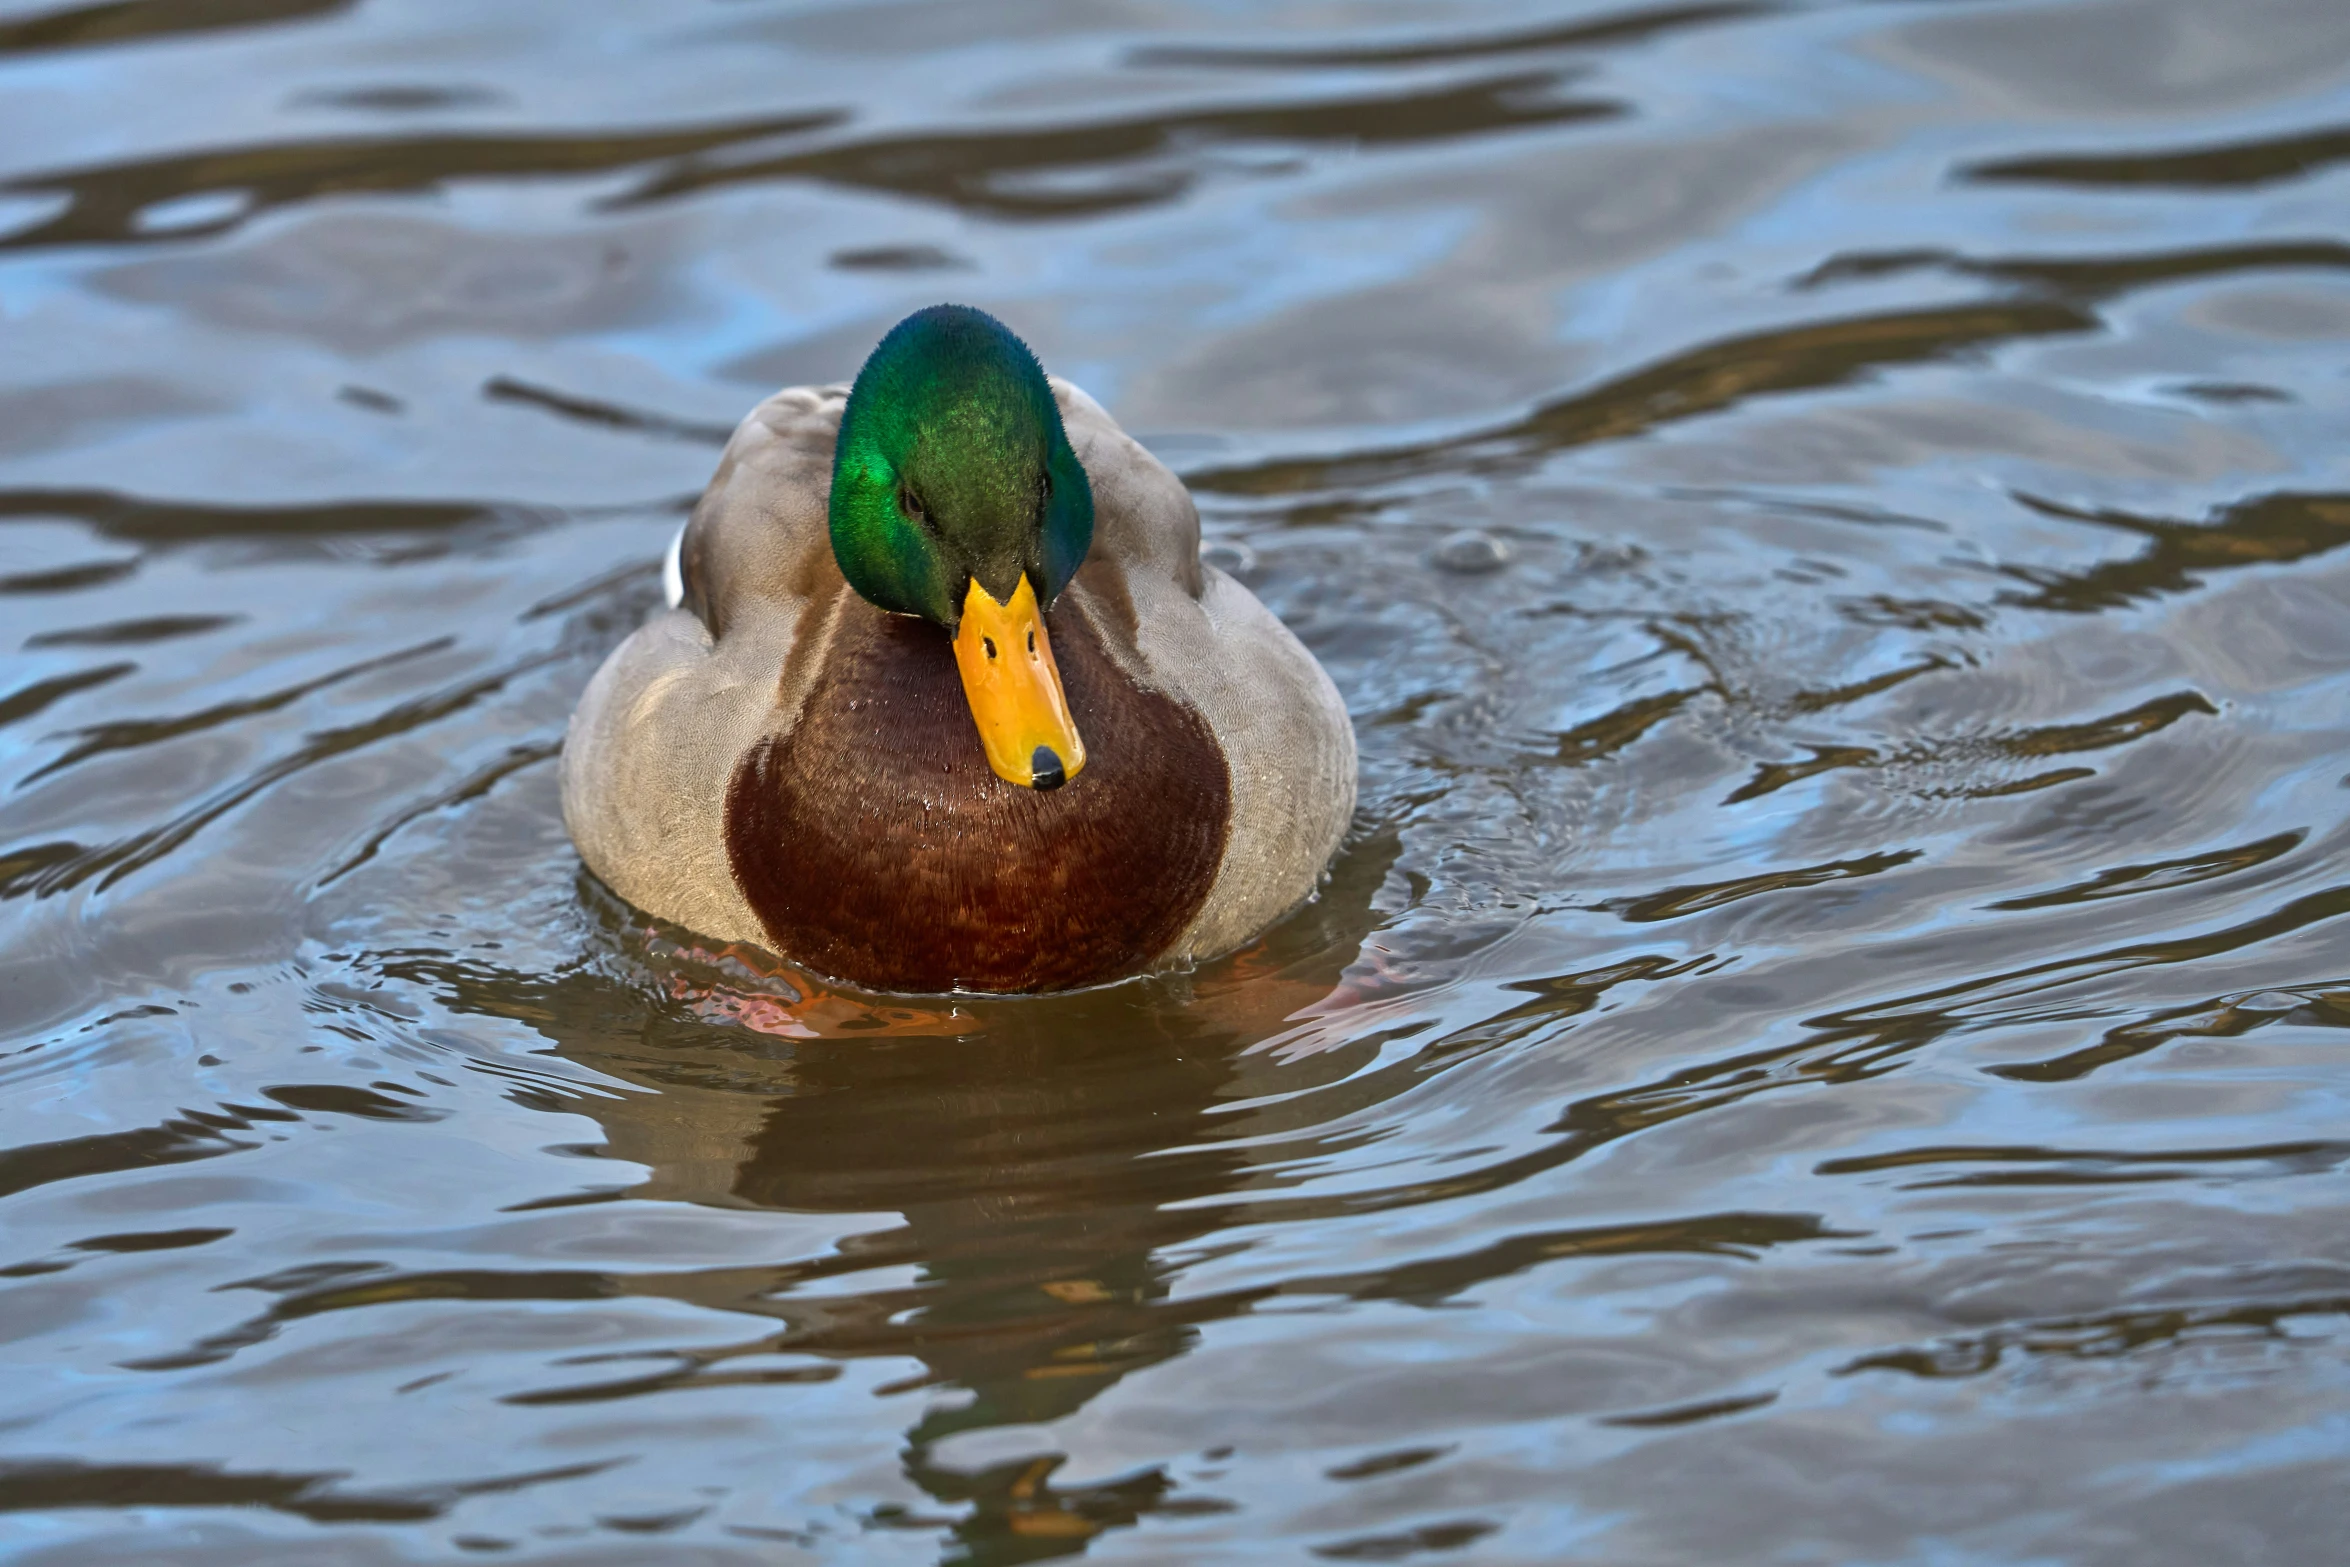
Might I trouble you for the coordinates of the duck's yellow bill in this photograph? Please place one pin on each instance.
(1014, 689)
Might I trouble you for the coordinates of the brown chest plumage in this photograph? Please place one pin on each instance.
(876, 846)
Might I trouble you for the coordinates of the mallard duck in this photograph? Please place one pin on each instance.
(945, 699)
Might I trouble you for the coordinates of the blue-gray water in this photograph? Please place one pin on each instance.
(1826, 1043)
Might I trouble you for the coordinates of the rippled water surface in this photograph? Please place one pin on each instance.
(1827, 1040)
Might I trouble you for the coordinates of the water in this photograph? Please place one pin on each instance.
(1826, 1042)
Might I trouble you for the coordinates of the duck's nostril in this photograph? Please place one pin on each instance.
(1045, 768)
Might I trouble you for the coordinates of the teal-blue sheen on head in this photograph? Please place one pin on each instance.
(951, 465)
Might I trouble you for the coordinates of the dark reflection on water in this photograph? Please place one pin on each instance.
(112, 203)
(129, 21)
(1825, 1042)
(2252, 162)
(1141, 162)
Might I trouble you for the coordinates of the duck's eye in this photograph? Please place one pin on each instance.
(909, 503)
(989, 644)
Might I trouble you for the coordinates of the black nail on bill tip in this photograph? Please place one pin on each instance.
(1045, 764)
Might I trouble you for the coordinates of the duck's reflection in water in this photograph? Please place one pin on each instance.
(1052, 1161)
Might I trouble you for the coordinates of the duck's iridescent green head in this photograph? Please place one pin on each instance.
(956, 497)
(952, 468)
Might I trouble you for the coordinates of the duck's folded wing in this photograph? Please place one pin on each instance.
(658, 733)
(759, 539)
(1143, 517)
(1195, 633)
